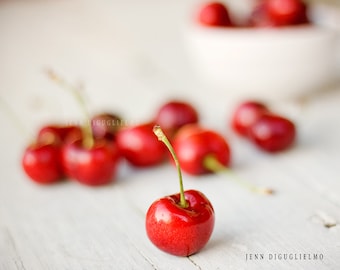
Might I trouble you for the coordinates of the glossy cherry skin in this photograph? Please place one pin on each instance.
(41, 163)
(193, 144)
(105, 125)
(214, 14)
(90, 166)
(272, 133)
(139, 146)
(180, 231)
(58, 134)
(245, 115)
(173, 115)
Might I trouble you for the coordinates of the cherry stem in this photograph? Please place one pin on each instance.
(211, 163)
(161, 137)
(88, 140)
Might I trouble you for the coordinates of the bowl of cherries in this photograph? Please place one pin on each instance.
(279, 49)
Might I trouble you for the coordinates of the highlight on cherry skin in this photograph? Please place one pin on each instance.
(41, 160)
(174, 114)
(202, 151)
(180, 224)
(266, 129)
(195, 144)
(245, 115)
(139, 146)
(88, 160)
(273, 133)
(41, 163)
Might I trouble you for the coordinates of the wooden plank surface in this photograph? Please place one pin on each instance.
(129, 63)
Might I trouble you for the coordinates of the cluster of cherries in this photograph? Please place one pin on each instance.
(87, 156)
(90, 154)
(180, 224)
(266, 13)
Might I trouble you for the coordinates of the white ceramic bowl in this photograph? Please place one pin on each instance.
(264, 63)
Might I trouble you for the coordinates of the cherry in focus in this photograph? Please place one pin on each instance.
(139, 146)
(178, 230)
(214, 14)
(273, 133)
(174, 114)
(179, 224)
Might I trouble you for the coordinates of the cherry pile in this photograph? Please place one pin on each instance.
(61, 151)
(90, 154)
(180, 224)
(266, 13)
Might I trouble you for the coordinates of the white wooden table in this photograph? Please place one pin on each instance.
(129, 56)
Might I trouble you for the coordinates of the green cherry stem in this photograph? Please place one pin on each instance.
(88, 140)
(161, 137)
(212, 164)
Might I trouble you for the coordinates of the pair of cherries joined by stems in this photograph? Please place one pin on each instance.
(48, 161)
(86, 153)
(266, 13)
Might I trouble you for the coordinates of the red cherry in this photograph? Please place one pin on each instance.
(276, 13)
(245, 115)
(287, 12)
(180, 224)
(177, 230)
(194, 144)
(259, 16)
(139, 146)
(92, 166)
(203, 151)
(87, 160)
(272, 133)
(58, 134)
(175, 114)
(214, 14)
(42, 163)
(105, 125)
